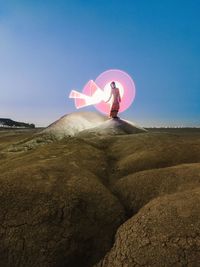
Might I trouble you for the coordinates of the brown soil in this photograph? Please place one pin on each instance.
(61, 202)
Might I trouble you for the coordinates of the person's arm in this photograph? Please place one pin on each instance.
(109, 96)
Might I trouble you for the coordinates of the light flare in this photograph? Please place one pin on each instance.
(98, 92)
(94, 95)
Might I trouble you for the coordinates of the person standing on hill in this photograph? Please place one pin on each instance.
(116, 100)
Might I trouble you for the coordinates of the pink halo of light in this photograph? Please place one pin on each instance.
(123, 79)
(100, 89)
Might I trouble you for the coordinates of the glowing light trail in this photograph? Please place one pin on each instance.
(97, 92)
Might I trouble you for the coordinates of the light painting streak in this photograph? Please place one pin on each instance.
(97, 92)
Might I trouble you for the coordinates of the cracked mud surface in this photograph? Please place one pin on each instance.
(130, 200)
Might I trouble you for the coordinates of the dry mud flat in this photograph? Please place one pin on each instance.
(121, 200)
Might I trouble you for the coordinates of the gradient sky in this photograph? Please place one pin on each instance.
(49, 47)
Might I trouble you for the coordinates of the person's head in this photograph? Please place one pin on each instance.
(113, 85)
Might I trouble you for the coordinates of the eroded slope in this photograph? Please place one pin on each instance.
(61, 203)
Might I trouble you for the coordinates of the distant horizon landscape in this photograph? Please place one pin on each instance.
(145, 126)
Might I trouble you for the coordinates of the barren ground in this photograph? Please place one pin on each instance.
(125, 200)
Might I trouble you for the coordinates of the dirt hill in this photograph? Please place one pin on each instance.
(87, 123)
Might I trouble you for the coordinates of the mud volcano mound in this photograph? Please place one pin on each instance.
(73, 123)
(84, 123)
(78, 124)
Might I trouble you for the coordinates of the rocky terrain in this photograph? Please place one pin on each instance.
(104, 196)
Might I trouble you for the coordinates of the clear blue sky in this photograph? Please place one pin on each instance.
(49, 47)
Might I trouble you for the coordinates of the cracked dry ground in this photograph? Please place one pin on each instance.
(131, 200)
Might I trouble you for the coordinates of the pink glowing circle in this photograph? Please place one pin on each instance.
(125, 84)
(97, 92)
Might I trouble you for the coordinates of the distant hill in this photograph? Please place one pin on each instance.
(15, 124)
